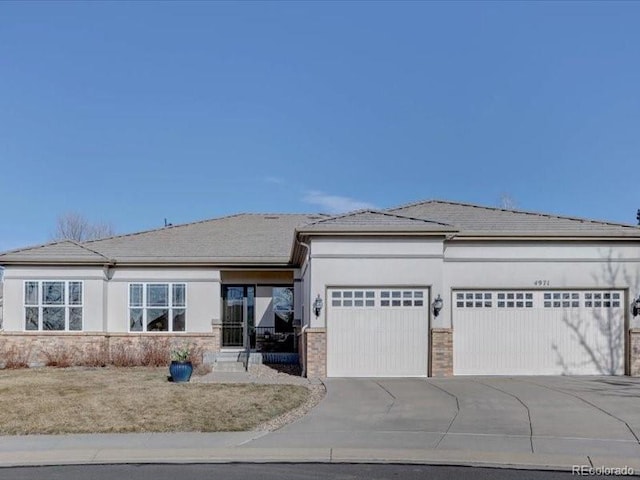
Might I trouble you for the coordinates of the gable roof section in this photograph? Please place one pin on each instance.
(65, 251)
(247, 238)
(374, 221)
(475, 220)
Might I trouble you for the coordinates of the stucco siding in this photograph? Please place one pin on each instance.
(374, 262)
(203, 296)
(525, 267)
(93, 293)
(376, 246)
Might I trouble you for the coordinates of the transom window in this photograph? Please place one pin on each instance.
(601, 299)
(499, 299)
(561, 299)
(538, 299)
(363, 298)
(353, 298)
(401, 298)
(53, 305)
(157, 307)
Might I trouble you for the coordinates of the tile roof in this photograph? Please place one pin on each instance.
(267, 239)
(374, 221)
(475, 220)
(70, 251)
(243, 238)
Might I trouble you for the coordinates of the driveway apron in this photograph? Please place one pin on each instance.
(554, 415)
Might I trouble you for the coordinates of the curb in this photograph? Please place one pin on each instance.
(102, 456)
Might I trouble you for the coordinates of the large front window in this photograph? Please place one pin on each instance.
(53, 305)
(157, 307)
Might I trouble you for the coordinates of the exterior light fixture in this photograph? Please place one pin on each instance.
(635, 307)
(437, 305)
(317, 306)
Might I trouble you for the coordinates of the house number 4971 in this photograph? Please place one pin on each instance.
(541, 283)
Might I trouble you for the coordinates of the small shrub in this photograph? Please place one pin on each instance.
(188, 353)
(14, 357)
(95, 356)
(59, 356)
(123, 355)
(197, 355)
(154, 352)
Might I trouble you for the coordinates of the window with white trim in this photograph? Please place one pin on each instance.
(474, 299)
(514, 299)
(53, 305)
(494, 299)
(157, 307)
(602, 299)
(353, 298)
(401, 298)
(561, 299)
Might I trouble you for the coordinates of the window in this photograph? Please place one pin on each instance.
(157, 307)
(353, 298)
(283, 309)
(401, 298)
(482, 299)
(53, 305)
(602, 299)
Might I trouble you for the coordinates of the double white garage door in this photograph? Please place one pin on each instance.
(384, 332)
(522, 332)
(377, 332)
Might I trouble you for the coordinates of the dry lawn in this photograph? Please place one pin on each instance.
(136, 399)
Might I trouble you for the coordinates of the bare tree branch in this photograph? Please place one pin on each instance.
(74, 226)
(507, 202)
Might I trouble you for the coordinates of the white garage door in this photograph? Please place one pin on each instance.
(578, 332)
(377, 332)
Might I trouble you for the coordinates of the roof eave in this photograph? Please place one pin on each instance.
(375, 232)
(54, 262)
(209, 262)
(541, 236)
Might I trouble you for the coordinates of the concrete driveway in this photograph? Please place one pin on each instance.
(551, 415)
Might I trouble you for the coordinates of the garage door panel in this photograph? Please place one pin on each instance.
(550, 337)
(378, 341)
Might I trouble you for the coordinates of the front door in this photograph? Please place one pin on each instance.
(238, 315)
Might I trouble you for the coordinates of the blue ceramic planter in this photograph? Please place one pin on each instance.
(180, 371)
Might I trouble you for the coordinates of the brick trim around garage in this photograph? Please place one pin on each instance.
(316, 352)
(441, 352)
(634, 352)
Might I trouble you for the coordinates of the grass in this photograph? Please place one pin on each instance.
(135, 399)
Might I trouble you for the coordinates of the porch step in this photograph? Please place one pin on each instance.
(228, 366)
(230, 356)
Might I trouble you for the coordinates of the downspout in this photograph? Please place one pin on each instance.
(304, 327)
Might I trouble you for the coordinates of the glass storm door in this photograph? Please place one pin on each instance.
(238, 315)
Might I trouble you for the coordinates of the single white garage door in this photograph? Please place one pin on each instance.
(377, 332)
(574, 332)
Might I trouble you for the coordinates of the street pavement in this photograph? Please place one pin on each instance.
(521, 422)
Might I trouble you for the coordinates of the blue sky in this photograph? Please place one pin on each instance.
(130, 113)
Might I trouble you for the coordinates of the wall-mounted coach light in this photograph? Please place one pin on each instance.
(635, 307)
(317, 306)
(437, 305)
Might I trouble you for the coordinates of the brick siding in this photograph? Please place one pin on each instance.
(40, 348)
(441, 364)
(316, 352)
(634, 352)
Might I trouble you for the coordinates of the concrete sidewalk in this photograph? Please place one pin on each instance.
(39, 450)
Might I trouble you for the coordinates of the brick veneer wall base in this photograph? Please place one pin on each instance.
(316, 352)
(39, 348)
(634, 352)
(441, 349)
